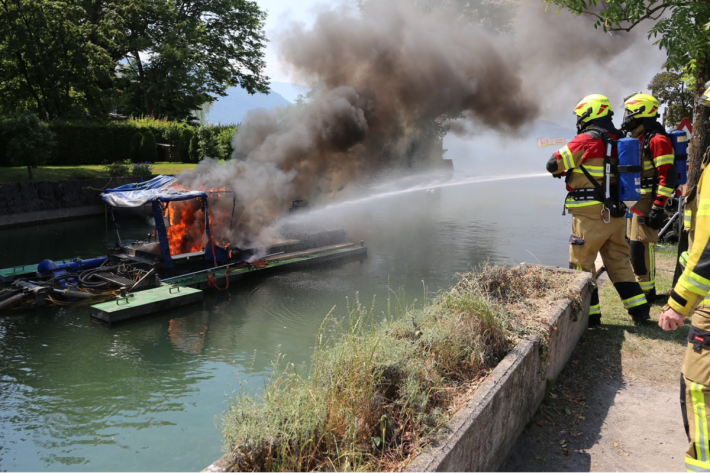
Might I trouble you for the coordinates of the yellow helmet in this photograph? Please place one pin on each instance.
(641, 106)
(592, 107)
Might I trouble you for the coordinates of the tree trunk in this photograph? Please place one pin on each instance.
(29, 171)
(701, 138)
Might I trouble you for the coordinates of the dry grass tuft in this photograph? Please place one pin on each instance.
(382, 392)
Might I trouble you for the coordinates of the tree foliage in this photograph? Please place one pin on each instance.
(165, 58)
(148, 149)
(680, 27)
(180, 54)
(671, 90)
(29, 141)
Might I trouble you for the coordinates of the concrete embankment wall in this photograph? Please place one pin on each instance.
(483, 432)
(29, 203)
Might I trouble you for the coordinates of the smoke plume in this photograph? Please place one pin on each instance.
(388, 84)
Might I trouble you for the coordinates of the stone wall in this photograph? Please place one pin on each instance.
(28, 203)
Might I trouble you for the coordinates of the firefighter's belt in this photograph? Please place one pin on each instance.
(699, 338)
(583, 194)
(649, 182)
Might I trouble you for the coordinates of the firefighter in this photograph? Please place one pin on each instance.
(598, 222)
(690, 295)
(658, 182)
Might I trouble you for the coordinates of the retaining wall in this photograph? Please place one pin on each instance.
(483, 432)
(28, 203)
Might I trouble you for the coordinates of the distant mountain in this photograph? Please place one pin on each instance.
(289, 91)
(234, 106)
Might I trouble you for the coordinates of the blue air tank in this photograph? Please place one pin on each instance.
(629, 171)
(680, 147)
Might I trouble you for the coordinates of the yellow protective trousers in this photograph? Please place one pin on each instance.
(695, 392)
(591, 235)
(642, 240)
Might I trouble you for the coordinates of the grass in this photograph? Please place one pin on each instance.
(377, 393)
(53, 173)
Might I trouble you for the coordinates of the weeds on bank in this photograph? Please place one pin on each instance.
(382, 391)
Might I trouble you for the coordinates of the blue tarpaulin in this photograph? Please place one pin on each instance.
(158, 188)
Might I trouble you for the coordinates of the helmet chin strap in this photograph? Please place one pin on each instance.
(580, 120)
(630, 122)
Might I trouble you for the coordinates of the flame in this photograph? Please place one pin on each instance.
(185, 222)
(187, 227)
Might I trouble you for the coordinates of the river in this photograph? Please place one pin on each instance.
(148, 395)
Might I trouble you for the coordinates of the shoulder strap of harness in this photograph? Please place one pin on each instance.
(597, 133)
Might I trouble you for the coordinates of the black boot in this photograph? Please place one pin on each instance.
(595, 314)
(594, 320)
(651, 296)
(641, 314)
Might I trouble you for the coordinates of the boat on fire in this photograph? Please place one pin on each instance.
(173, 264)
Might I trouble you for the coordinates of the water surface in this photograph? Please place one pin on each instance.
(147, 395)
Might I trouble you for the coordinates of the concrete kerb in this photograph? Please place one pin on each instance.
(483, 432)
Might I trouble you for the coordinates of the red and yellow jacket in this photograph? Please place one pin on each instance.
(585, 150)
(694, 284)
(661, 162)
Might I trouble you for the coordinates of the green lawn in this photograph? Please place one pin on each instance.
(52, 173)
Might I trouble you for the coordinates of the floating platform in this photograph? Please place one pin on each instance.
(287, 261)
(23, 271)
(187, 289)
(144, 303)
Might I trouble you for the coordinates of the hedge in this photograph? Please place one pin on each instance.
(84, 142)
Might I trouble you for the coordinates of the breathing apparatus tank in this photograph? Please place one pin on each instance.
(629, 171)
(679, 138)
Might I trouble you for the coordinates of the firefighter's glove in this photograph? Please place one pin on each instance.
(656, 218)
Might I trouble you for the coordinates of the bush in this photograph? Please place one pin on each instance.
(224, 141)
(25, 141)
(142, 169)
(194, 151)
(135, 150)
(149, 151)
(85, 142)
(184, 145)
(119, 168)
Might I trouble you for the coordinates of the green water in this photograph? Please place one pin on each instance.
(148, 395)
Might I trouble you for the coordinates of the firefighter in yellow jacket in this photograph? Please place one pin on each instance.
(598, 226)
(658, 182)
(690, 296)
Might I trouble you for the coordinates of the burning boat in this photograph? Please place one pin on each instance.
(172, 266)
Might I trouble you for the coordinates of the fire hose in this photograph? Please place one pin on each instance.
(85, 276)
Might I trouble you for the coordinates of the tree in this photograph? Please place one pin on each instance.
(194, 150)
(30, 142)
(135, 148)
(681, 29)
(85, 58)
(180, 54)
(55, 57)
(671, 90)
(149, 150)
(184, 145)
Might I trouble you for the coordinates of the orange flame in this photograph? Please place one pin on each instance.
(187, 227)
